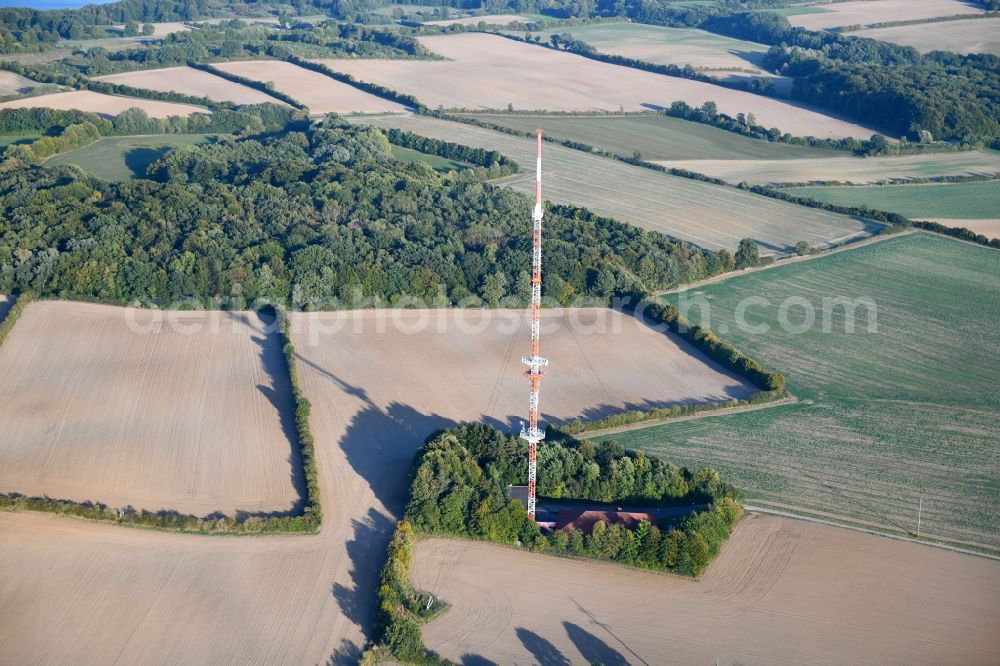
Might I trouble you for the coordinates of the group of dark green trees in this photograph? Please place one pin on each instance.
(460, 487)
(317, 216)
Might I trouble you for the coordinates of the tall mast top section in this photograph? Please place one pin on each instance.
(531, 432)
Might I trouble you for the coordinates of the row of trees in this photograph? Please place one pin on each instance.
(327, 210)
(461, 476)
(496, 164)
(248, 119)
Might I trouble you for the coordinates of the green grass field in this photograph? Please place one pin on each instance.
(657, 137)
(967, 201)
(118, 158)
(437, 163)
(16, 138)
(886, 417)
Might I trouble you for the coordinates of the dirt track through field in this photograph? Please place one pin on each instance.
(319, 92)
(868, 12)
(105, 105)
(782, 592)
(81, 592)
(190, 81)
(710, 216)
(93, 411)
(488, 72)
(845, 169)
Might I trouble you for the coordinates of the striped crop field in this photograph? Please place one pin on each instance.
(710, 216)
(885, 418)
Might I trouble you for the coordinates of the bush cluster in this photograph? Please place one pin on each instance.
(400, 611)
(460, 487)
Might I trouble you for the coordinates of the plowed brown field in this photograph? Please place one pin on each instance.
(488, 72)
(320, 93)
(782, 592)
(82, 592)
(190, 81)
(91, 410)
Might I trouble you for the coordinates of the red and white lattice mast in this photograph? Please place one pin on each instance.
(531, 432)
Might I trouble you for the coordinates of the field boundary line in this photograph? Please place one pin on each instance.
(849, 245)
(868, 530)
(722, 411)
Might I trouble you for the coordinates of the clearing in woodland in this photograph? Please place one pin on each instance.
(190, 81)
(308, 599)
(105, 105)
(710, 216)
(489, 72)
(870, 12)
(845, 169)
(188, 418)
(782, 592)
(975, 200)
(319, 92)
(656, 137)
(971, 36)
(887, 416)
(118, 158)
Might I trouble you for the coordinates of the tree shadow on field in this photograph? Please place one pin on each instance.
(366, 551)
(137, 160)
(593, 649)
(545, 653)
(279, 394)
(347, 653)
(476, 660)
(380, 445)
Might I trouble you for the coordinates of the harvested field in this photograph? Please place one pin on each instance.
(189, 81)
(670, 46)
(707, 215)
(782, 592)
(869, 12)
(118, 158)
(490, 19)
(886, 417)
(989, 228)
(320, 93)
(94, 410)
(131, 593)
(656, 137)
(106, 105)
(972, 36)
(860, 170)
(490, 72)
(974, 200)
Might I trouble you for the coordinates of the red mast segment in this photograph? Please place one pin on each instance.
(531, 432)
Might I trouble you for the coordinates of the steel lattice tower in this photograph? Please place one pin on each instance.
(531, 432)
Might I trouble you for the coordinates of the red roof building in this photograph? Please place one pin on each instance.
(584, 521)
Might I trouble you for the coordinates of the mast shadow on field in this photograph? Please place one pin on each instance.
(279, 394)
